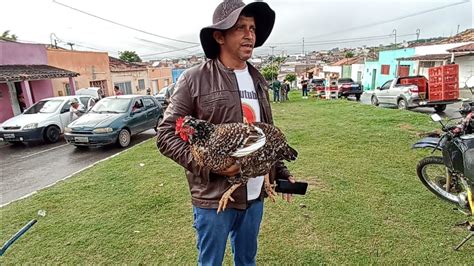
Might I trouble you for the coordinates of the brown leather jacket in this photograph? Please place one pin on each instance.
(210, 92)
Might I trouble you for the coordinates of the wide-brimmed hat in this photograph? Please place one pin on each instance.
(226, 15)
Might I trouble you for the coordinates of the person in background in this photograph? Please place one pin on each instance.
(21, 102)
(304, 85)
(284, 91)
(117, 91)
(276, 86)
(75, 110)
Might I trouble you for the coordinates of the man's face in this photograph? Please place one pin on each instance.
(238, 41)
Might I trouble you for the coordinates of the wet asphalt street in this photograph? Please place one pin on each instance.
(26, 168)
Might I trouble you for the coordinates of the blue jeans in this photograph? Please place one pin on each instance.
(213, 229)
(276, 96)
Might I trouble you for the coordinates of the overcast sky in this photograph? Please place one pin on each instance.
(324, 24)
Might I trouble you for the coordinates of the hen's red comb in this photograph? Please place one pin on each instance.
(179, 123)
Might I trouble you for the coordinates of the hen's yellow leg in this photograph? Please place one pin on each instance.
(226, 197)
(269, 188)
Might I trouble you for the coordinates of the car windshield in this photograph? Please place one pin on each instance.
(318, 81)
(345, 81)
(162, 91)
(44, 106)
(112, 105)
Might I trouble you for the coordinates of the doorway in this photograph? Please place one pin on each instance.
(374, 74)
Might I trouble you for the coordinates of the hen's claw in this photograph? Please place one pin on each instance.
(226, 197)
(269, 188)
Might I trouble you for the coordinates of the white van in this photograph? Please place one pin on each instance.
(44, 120)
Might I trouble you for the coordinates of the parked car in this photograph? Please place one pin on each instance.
(114, 120)
(347, 86)
(164, 95)
(410, 92)
(317, 85)
(44, 120)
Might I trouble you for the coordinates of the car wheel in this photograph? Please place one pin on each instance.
(402, 104)
(374, 101)
(440, 108)
(51, 134)
(123, 139)
(158, 123)
(357, 97)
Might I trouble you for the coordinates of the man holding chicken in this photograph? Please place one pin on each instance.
(224, 89)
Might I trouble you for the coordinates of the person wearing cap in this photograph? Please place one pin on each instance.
(224, 89)
(117, 91)
(74, 111)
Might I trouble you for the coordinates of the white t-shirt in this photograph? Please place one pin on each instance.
(251, 111)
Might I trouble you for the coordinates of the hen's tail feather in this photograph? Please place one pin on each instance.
(289, 154)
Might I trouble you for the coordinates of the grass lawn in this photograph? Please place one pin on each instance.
(365, 203)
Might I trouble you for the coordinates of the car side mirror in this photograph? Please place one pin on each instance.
(436, 117)
(378, 88)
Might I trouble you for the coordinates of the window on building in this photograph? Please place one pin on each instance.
(125, 87)
(427, 64)
(385, 70)
(141, 84)
(67, 88)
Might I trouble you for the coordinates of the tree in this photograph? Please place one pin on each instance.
(349, 55)
(270, 72)
(7, 36)
(129, 56)
(290, 77)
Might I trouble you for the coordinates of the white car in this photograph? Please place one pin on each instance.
(44, 120)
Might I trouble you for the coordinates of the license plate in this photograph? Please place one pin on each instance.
(9, 136)
(81, 139)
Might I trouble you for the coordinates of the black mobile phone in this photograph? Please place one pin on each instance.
(285, 186)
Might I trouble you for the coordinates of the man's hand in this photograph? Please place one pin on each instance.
(288, 197)
(231, 171)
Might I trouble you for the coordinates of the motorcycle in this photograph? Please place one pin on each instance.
(451, 176)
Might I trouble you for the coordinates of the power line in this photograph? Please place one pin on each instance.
(181, 49)
(122, 25)
(341, 41)
(372, 24)
(336, 40)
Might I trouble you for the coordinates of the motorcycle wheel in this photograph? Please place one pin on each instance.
(432, 173)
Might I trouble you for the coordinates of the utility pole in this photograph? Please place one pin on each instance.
(70, 44)
(303, 46)
(273, 47)
(395, 33)
(417, 34)
(458, 29)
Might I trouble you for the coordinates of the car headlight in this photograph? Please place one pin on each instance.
(31, 126)
(103, 130)
(67, 130)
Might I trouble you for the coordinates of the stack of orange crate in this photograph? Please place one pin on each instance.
(444, 83)
(420, 82)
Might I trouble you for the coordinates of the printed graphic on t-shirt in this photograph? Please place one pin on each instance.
(249, 113)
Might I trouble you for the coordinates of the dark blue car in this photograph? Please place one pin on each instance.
(114, 120)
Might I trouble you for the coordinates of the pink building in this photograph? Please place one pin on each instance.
(25, 77)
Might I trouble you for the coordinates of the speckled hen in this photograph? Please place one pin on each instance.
(255, 147)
